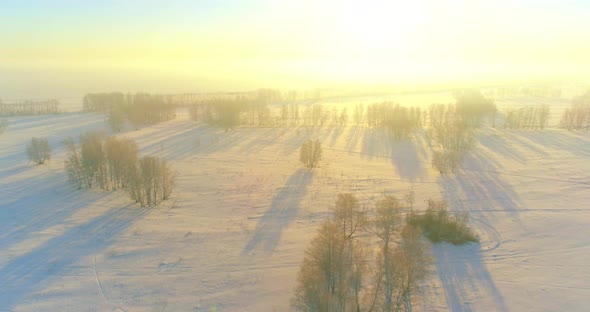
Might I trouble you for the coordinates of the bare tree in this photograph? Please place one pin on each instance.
(74, 164)
(168, 176)
(121, 157)
(321, 283)
(94, 159)
(310, 153)
(151, 181)
(39, 150)
(414, 260)
(388, 217)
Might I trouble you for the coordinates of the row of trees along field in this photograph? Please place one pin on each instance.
(577, 116)
(25, 108)
(138, 109)
(372, 260)
(398, 120)
(527, 117)
(113, 163)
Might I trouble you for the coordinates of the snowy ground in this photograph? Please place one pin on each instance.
(232, 236)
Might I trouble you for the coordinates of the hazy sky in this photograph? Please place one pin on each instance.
(60, 48)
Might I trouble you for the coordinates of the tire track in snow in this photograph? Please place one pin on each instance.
(104, 294)
(491, 232)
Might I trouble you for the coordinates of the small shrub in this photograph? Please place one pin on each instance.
(39, 150)
(440, 226)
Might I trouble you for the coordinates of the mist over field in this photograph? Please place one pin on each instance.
(294, 155)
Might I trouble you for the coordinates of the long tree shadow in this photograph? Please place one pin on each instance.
(283, 210)
(406, 160)
(27, 274)
(407, 156)
(464, 276)
(479, 190)
(54, 200)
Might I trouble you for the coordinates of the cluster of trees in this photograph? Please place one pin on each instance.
(473, 107)
(452, 127)
(340, 271)
(138, 109)
(113, 163)
(310, 153)
(29, 108)
(38, 150)
(527, 117)
(152, 181)
(446, 161)
(452, 134)
(577, 117)
(224, 113)
(398, 121)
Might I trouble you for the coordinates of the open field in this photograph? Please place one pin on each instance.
(233, 234)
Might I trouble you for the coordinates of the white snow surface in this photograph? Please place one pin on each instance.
(233, 234)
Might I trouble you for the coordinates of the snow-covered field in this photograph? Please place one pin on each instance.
(233, 234)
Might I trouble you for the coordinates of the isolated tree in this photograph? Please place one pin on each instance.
(39, 150)
(310, 153)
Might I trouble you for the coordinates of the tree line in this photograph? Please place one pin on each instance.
(527, 117)
(29, 107)
(138, 109)
(577, 116)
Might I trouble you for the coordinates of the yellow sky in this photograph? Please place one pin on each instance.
(170, 46)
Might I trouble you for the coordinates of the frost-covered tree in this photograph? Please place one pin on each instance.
(387, 219)
(151, 181)
(39, 150)
(322, 280)
(73, 165)
(310, 153)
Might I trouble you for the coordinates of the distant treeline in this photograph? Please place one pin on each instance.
(531, 117)
(28, 107)
(138, 109)
(577, 117)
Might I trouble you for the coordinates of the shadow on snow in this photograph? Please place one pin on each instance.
(24, 275)
(283, 211)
